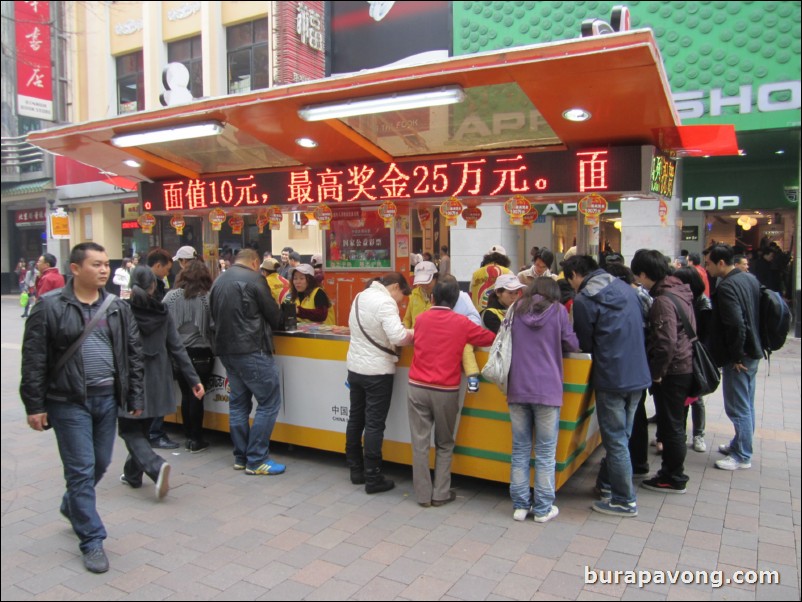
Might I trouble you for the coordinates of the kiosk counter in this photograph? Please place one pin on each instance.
(315, 401)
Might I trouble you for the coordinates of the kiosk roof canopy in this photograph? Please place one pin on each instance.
(513, 99)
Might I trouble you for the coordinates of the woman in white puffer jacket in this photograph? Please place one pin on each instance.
(376, 330)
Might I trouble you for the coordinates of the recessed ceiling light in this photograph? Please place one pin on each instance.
(741, 152)
(306, 142)
(132, 163)
(576, 115)
(779, 152)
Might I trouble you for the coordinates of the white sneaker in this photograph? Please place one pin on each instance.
(163, 481)
(699, 444)
(730, 463)
(725, 449)
(547, 517)
(520, 514)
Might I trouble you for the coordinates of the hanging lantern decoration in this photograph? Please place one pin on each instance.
(471, 215)
(424, 217)
(451, 209)
(663, 211)
(516, 208)
(177, 222)
(592, 206)
(304, 219)
(324, 214)
(146, 222)
(261, 221)
(753, 221)
(531, 216)
(217, 217)
(275, 216)
(237, 223)
(388, 212)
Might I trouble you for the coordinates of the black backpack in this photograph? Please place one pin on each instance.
(775, 320)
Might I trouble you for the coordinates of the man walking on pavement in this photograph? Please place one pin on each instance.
(737, 349)
(244, 312)
(609, 324)
(81, 363)
(50, 278)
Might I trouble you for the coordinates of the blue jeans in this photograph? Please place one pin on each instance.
(252, 375)
(544, 422)
(739, 404)
(85, 436)
(615, 412)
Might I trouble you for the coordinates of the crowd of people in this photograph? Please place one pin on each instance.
(93, 362)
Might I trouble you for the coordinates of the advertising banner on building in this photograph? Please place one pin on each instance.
(301, 50)
(34, 70)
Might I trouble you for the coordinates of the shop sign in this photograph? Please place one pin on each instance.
(711, 203)
(690, 233)
(129, 224)
(562, 172)
(451, 209)
(360, 241)
(663, 173)
(33, 64)
(147, 221)
(30, 217)
(566, 209)
(471, 215)
(59, 224)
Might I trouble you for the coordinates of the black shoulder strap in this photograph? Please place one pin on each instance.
(683, 318)
(367, 336)
(87, 331)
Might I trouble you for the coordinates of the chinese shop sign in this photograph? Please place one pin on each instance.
(612, 169)
(358, 239)
(34, 63)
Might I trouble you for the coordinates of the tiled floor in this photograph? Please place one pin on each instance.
(310, 534)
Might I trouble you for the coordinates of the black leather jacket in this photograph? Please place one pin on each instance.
(56, 321)
(243, 311)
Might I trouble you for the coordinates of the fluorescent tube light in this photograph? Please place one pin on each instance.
(182, 132)
(380, 104)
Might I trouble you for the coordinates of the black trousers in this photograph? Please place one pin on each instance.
(639, 439)
(669, 400)
(141, 457)
(192, 411)
(370, 403)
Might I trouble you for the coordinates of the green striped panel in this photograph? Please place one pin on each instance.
(565, 425)
(500, 457)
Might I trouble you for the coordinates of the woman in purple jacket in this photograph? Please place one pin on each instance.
(541, 332)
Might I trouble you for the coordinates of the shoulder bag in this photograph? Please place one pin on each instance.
(395, 354)
(497, 368)
(706, 376)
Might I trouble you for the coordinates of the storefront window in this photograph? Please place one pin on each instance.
(188, 53)
(130, 83)
(248, 56)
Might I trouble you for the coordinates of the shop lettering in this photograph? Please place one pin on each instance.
(711, 203)
(691, 105)
(616, 168)
(473, 125)
(561, 209)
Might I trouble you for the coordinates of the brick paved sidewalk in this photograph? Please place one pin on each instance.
(310, 534)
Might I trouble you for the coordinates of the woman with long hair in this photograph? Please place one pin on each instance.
(188, 305)
(160, 342)
(541, 332)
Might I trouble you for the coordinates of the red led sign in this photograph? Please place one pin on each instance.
(562, 172)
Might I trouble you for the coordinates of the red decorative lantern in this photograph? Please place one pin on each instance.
(516, 208)
(261, 221)
(217, 217)
(177, 222)
(237, 223)
(323, 214)
(147, 221)
(471, 215)
(451, 209)
(275, 216)
(388, 212)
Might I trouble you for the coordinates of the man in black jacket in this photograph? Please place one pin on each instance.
(737, 349)
(244, 312)
(80, 399)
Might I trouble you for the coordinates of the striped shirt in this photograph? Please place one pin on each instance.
(97, 350)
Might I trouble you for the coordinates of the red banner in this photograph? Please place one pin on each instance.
(34, 70)
(300, 29)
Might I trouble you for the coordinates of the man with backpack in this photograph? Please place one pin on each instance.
(737, 349)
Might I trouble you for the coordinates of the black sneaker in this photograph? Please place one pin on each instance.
(163, 443)
(130, 482)
(95, 561)
(659, 484)
(195, 447)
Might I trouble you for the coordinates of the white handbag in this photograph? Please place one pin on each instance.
(497, 368)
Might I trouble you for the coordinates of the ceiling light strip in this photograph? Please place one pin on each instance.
(184, 132)
(381, 104)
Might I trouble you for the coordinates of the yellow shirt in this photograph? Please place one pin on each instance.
(419, 302)
(482, 283)
(279, 287)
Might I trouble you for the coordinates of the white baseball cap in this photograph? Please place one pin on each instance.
(497, 249)
(424, 272)
(508, 282)
(185, 252)
(304, 268)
